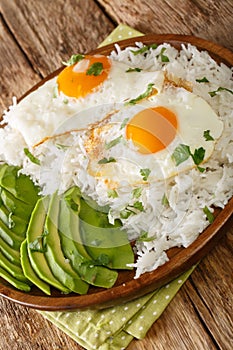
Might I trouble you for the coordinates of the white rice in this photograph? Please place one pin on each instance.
(178, 224)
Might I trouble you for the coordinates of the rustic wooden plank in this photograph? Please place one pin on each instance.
(17, 76)
(197, 17)
(50, 31)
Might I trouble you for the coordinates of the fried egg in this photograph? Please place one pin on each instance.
(137, 144)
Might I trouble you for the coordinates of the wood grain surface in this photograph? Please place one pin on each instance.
(35, 36)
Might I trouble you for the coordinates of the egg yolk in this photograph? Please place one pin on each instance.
(152, 129)
(80, 79)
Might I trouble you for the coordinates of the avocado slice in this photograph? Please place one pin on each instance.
(19, 185)
(11, 238)
(12, 269)
(13, 222)
(29, 272)
(108, 244)
(37, 258)
(16, 206)
(10, 253)
(13, 281)
(96, 275)
(60, 267)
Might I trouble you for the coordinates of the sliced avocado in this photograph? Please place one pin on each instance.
(13, 281)
(37, 258)
(13, 222)
(19, 185)
(11, 238)
(11, 254)
(16, 206)
(96, 275)
(14, 270)
(59, 265)
(29, 272)
(108, 244)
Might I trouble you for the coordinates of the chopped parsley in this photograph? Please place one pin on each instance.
(183, 152)
(208, 214)
(73, 59)
(113, 142)
(137, 192)
(62, 147)
(213, 93)
(129, 70)
(125, 121)
(145, 94)
(165, 200)
(32, 158)
(55, 91)
(144, 237)
(164, 58)
(207, 136)
(144, 49)
(145, 173)
(112, 194)
(138, 205)
(95, 69)
(202, 80)
(105, 160)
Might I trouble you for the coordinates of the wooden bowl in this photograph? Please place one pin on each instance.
(127, 288)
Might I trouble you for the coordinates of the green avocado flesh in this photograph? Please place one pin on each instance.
(60, 241)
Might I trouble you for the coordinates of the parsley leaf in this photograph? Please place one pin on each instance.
(95, 69)
(208, 214)
(112, 194)
(113, 142)
(165, 201)
(145, 173)
(137, 192)
(207, 135)
(164, 58)
(181, 154)
(144, 237)
(213, 93)
(125, 121)
(125, 213)
(138, 205)
(202, 80)
(129, 70)
(74, 59)
(145, 94)
(105, 160)
(144, 49)
(31, 156)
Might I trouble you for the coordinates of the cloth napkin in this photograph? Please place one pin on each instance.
(114, 328)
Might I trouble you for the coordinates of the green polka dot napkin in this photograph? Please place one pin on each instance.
(114, 328)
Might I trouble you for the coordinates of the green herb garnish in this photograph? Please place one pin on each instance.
(74, 59)
(102, 259)
(207, 136)
(129, 70)
(165, 200)
(208, 214)
(113, 142)
(105, 160)
(213, 93)
(125, 121)
(202, 80)
(183, 152)
(145, 94)
(112, 194)
(32, 158)
(144, 237)
(138, 205)
(55, 91)
(95, 69)
(164, 58)
(144, 49)
(137, 192)
(62, 147)
(125, 214)
(145, 173)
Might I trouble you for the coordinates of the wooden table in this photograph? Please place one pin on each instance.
(36, 35)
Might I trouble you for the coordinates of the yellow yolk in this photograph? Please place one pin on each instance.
(74, 81)
(152, 129)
